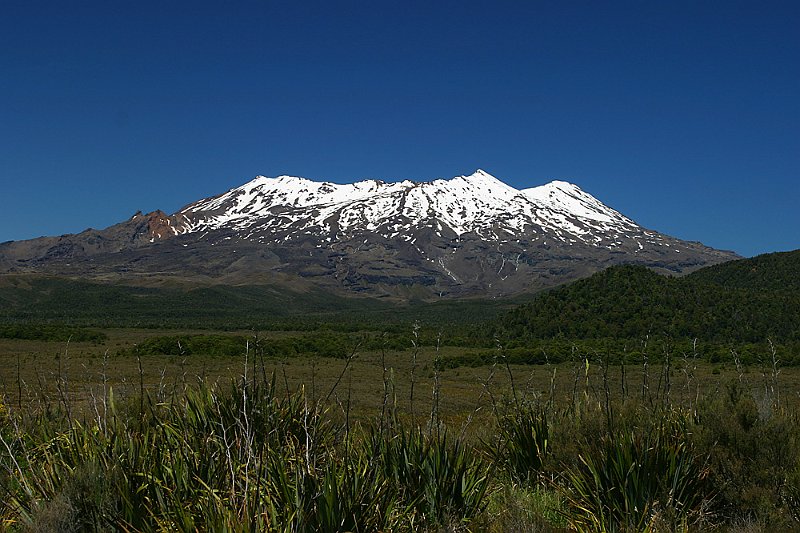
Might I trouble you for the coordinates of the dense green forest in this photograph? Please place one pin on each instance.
(776, 272)
(626, 302)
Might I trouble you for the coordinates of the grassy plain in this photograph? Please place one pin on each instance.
(48, 372)
(546, 434)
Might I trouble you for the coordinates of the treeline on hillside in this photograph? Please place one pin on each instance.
(74, 303)
(50, 332)
(615, 351)
(82, 303)
(321, 343)
(324, 345)
(633, 302)
(777, 272)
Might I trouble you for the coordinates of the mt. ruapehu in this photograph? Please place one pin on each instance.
(466, 236)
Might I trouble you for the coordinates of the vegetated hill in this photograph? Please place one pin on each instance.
(632, 302)
(469, 236)
(778, 272)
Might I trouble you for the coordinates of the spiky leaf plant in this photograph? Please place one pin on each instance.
(522, 444)
(637, 480)
(444, 482)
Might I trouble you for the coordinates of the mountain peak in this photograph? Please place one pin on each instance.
(479, 203)
(468, 235)
(563, 185)
(480, 174)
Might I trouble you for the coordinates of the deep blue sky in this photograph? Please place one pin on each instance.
(684, 116)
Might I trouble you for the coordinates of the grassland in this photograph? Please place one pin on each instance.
(34, 370)
(534, 441)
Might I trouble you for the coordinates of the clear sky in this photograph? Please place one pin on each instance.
(684, 116)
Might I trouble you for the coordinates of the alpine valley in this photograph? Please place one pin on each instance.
(466, 236)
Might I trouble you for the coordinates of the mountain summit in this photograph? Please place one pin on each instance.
(469, 235)
(286, 208)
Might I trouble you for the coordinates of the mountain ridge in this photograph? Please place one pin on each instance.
(466, 236)
(463, 204)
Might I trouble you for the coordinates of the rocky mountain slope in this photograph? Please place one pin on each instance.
(470, 235)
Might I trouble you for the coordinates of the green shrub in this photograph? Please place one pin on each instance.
(638, 480)
(754, 448)
(239, 458)
(522, 443)
(51, 332)
(441, 479)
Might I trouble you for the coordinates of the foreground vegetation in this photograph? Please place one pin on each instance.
(590, 446)
(624, 402)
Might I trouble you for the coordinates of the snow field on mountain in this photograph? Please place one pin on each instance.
(478, 203)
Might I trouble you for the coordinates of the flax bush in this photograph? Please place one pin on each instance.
(236, 458)
(638, 480)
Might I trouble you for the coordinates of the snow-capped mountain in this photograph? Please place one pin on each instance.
(287, 207)
(467, 235)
